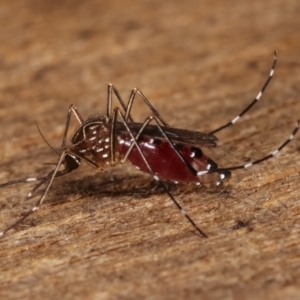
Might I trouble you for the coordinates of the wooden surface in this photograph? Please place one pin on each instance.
(113, 234)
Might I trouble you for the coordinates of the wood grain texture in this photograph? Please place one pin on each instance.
(113, 234)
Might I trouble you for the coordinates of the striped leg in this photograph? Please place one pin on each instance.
(234, 120)
(257, 161)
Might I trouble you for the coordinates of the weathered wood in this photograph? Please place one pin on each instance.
(112, 234)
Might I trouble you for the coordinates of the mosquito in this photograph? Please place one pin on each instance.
(166, 153)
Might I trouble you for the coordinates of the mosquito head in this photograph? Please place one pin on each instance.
(71, 162)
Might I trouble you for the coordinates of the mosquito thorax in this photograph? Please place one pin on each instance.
(92, 140)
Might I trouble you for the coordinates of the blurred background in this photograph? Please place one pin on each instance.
(200, 63)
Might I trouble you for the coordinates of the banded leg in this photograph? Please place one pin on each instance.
(272, 154)
(234, 120)
(257, 161)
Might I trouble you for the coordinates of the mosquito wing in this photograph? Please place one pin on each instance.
(180, 136)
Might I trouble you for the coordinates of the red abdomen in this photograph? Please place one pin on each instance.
(166, 163)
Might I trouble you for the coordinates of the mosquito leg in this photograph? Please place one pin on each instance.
(37, 186)
(112, 136)
(156, 178)
(147, 102)
(72, 163)
(29, 179)
(254, 101)
(274, 153)
(110, 89)
(127, 108)
(36, 207)
(74, 110)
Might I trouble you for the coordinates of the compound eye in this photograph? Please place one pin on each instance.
(72, 162)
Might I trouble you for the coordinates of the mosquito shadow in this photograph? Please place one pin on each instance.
(114, 186)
